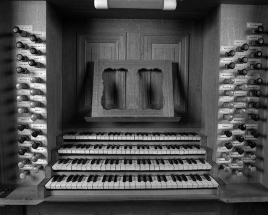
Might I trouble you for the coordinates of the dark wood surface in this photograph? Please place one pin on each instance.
(54, 76)
(129, 38)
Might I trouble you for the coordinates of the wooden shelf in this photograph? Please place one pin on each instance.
(132, 119)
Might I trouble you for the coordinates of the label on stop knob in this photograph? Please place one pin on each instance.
(24, 119)
(224, 137)
(247, 160)
(38, 126)
(235, 166)
(251, 126)
(249, 137)
(27, 167)
(249, 149)
(238, 121)
(222, 160)
(236, 155)
(225, 126)
(223, 149)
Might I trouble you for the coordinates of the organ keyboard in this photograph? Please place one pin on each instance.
(159, 181)
(129, 161)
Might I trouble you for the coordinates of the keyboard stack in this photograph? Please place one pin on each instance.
(89, 162)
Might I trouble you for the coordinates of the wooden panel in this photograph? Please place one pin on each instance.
(133, 46)
(211, 49)
(54, 77)
(93, 48)
(176, 49)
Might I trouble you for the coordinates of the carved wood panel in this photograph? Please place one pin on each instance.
(176, 49)
(92, 48)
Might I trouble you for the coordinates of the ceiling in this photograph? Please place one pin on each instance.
(186, 9)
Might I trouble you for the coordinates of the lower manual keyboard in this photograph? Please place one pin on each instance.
(128, 182)
(131, 164)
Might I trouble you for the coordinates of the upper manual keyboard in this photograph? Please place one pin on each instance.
(119, 136)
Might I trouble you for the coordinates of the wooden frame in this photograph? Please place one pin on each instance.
(132, 88)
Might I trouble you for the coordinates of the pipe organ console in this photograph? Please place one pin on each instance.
(123, 112)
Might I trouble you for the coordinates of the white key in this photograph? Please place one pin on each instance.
(79, 184)
(156, 183)
(121, 183)
(84, 185)
(116, 184)
(132, 185)
(57, 165)
(65, 166)
(74, 184)
(47, 185)
(63, 183)
(170, 182)
(195, 185)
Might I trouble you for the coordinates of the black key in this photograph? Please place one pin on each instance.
(162, 161)
(130, 178)
(170, 161)
(60, 178)
(98, 161)
(74, 161)
(207, 177)
(130, 161)
(93, 161)
(164, 178)
(192, 177)
(90, 177)
(95, 178)
(158, 178)
(190, 147)
(106, 161)
(124, 178)
(144, 178)
(84, 161)
(184, 177)
(197, 146)
(150, 178)
(188, 161)
(180, 161)
(110, 178)
(198, 177)
(60, 161)
(70, 177)
(104, 178)
(78, 146)
(115, 178)
(96, 146)
(178, 177)
(87, 146)
(149, 161)
(83, 146)
(66, 161)
(125, 161)
(202, 160)
(175, 161)
(80, 161)
(117, 162)
(80, 178)
(173, 178)
(75, 178)
(139, 178)
(194, 161)
(157, 162)
(139, 162)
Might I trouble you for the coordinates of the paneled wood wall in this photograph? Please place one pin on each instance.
(136, 39)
